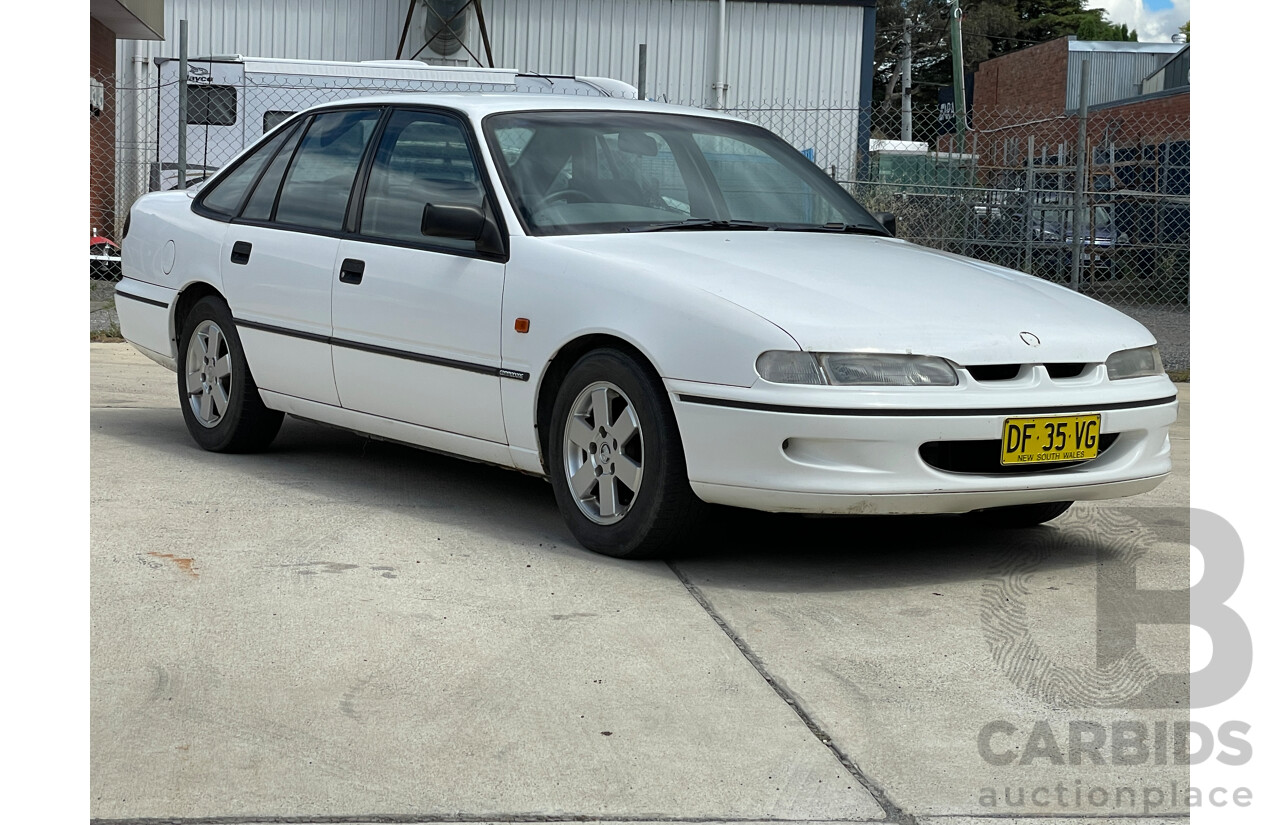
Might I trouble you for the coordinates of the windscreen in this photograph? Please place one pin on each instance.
(573, 172)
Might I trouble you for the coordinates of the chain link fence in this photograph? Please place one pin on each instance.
(1014, 186)
(1010, 190)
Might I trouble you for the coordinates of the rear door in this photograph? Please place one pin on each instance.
(279, 253)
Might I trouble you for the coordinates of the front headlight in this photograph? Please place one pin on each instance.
(782, 367)
(1134, 363)
(844, 369)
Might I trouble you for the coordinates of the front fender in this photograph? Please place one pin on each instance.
(686, 332)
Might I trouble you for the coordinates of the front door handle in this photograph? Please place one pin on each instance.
(352, 271)
(240, 252)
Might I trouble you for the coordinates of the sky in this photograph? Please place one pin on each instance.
(1154, 20)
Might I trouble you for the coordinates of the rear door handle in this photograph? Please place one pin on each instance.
(352, 271)
(240, 252)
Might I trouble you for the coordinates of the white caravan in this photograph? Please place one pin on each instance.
(233, 100)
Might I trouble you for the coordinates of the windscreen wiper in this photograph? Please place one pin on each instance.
(837, 227)
(695, 224)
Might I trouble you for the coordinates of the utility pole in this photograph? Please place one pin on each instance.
(906, 77)
(957, 72)
(1081, 212)
(182, 104)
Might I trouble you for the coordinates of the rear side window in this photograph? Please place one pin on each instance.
(211, 105)
(263, 199)
(317, 185)
(224, 196)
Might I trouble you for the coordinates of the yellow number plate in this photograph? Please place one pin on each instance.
(1048, 440)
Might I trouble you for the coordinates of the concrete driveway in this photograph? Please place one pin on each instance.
(343, 630)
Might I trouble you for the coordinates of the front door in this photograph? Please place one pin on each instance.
(416, 314)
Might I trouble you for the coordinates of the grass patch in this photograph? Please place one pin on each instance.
(110, 335)
(1180, 375)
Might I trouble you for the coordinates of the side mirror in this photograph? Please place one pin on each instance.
(465, 223)
(888, 221)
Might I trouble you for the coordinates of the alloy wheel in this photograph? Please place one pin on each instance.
(208, 374)
(603, 452)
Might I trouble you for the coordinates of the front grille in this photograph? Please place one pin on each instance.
(994, 372)
(984, 457)
(1008, 372)
(1065, 370)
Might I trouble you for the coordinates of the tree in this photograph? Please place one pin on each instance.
(1185, 28)
(990, 28)
(1099, 28)
(929, 22)
(928, 25)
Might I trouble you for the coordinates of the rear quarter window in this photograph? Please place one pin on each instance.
(225, 195)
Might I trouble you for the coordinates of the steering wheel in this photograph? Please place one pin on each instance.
(566, 195)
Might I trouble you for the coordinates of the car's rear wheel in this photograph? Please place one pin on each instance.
(1020, 515)
(616, 461)
(220, 401)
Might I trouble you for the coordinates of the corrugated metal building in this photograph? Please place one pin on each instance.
(776, 57)
(1116, 68)
(779, 52)
(1046, 78)
(793, 52)
(1174, 74)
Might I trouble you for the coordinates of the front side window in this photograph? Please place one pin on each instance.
(423, 159)
(573, 172)
(318, 183)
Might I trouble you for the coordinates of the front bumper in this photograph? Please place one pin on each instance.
(744, 448)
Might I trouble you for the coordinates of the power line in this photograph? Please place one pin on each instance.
(1016, 39)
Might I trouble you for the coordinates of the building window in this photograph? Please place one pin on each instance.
(209, 105)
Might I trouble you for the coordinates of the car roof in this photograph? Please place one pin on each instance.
(479, 104)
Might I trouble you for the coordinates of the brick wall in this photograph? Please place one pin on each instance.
(1029, 80)
(1024, 94)
(102, 133)
(1000, 139)
(1168, 117)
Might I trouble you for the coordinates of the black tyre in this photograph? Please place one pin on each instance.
(220, 401)
(1020, 515)
(616, 461)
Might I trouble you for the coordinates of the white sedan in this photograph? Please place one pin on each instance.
(652, 306)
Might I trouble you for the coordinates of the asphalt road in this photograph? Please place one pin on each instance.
(343, 630)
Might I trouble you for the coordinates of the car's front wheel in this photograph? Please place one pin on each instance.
(220, 401)
(616, 461)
